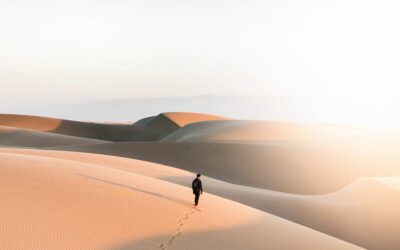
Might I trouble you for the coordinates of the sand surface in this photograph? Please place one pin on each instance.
(64, 204)
(268, 185)
(335, 214)
(300, 168)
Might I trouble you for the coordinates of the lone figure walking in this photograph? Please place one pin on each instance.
(197, 189)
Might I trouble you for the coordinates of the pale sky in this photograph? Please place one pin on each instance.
(72, 51)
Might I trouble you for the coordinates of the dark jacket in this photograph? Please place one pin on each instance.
(196, 186)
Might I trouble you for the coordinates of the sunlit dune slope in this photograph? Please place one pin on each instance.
(30, 122)
(17, 137)
(373, 139)
(238, 130)
(184, 118)
(65, 204)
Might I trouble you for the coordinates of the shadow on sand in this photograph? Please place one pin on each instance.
(252, 236)
(184, 203)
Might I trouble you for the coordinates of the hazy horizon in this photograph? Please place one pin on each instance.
(300, 109)
(340, 55)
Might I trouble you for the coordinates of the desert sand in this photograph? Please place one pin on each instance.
(268, 185)
(300, 168)
(65, 204)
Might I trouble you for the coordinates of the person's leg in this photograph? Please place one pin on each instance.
(196, 199)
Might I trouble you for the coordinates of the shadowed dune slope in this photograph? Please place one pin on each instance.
(238, 130)
(364, 213)
(297, 168)
(65, 204)
(148, 129)
(16, 137)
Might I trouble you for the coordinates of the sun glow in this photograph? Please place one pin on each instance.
(342, 56)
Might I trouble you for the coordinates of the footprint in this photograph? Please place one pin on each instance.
(178, 231)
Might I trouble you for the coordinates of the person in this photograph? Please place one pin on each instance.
(197, 189)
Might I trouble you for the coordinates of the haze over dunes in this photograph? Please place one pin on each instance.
(240, 130)
(268, 184)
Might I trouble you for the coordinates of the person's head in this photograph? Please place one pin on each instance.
(198, 176)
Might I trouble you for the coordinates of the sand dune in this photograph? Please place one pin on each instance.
(64, 204)
(237, 130)
(30, 138)
(149, 129)
(185, 118)
(339, 181)
(363, 213)
(30, 122)
(291, 168)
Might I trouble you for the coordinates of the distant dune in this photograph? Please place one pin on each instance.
(54, 203)
(235, 130)
(185, 118)
(151, 129)
(17, 137)
(148, 129)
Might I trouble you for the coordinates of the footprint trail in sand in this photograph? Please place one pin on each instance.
(178, 230)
